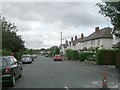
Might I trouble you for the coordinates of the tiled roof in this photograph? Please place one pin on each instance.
(103, 33)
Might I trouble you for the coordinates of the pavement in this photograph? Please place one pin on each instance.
(46, 73)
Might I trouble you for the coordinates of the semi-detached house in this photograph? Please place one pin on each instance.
(100, 38)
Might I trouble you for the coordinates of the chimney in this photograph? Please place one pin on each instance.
(96, 29)
(71, 39)
(75, 37)
(82, 36)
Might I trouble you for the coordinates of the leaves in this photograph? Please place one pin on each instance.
(10, 40)
(111, 10)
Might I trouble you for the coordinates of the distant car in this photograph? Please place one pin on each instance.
(46, 55)
(26, 59)
(57, 57)
(11, 70)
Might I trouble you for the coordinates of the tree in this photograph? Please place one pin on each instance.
(10, 40)
(111, 10)
(54, 50)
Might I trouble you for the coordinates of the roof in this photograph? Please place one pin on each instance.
(103, 33)
(78, 40)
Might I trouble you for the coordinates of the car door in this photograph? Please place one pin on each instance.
(19, 71)
(14, 66)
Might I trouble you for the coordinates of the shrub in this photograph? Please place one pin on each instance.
(75, 55)
(90, 58)
(84, 55)
(72, 54)
(18, 55)
(105, 57)
(6, 52)
(69, 54)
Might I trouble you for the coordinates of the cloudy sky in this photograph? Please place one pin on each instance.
(40, 23)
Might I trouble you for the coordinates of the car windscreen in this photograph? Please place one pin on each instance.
(25, 58)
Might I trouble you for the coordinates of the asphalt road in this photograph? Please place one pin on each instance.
(46, 73)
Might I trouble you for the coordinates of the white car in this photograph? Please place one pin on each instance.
(26, 59)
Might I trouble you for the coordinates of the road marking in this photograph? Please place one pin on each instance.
(66, 88)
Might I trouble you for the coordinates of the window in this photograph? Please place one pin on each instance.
(4, 62)
(12, 61)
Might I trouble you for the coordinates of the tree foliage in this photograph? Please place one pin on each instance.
(54, 50)
(111, 10)
(10, 40)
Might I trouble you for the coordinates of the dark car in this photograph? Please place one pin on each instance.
(26, 59)
(46, 55)
(11, 69)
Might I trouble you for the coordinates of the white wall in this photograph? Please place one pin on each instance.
(106, 43)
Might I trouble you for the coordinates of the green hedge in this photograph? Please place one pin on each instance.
(17, 55)
(72, 54)
(85, 55)
(6, 52)
(102, 57)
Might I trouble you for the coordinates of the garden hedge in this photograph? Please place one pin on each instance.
(84, 55)
(72, 54)
(105, 57)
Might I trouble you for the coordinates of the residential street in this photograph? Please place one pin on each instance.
(46, 73)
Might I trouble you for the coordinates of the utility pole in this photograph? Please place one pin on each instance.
(61, 42)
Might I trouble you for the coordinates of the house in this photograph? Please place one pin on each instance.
(116, 45)
(100, 38)
(116, 38)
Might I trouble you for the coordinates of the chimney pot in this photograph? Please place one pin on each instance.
(82, 36)
(75, 37)
(96, 29)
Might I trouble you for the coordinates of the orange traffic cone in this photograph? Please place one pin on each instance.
(104, 83)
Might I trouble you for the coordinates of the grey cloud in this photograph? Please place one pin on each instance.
(75, 14)
(68, 17)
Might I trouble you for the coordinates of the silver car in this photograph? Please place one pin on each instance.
(26, 59)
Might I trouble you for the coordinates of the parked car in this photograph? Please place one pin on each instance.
(26, 59)
(11, 69)
(57, 57)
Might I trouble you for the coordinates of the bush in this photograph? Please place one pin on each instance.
(75, 55)
(69, 54)
(91, 58)
(105, 57)
(18, 55)
(6, 52)
(84, 55)
(72, 54)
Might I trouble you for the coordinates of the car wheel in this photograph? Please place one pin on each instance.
(13, 81)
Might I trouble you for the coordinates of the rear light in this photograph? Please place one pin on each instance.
(8, 70)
